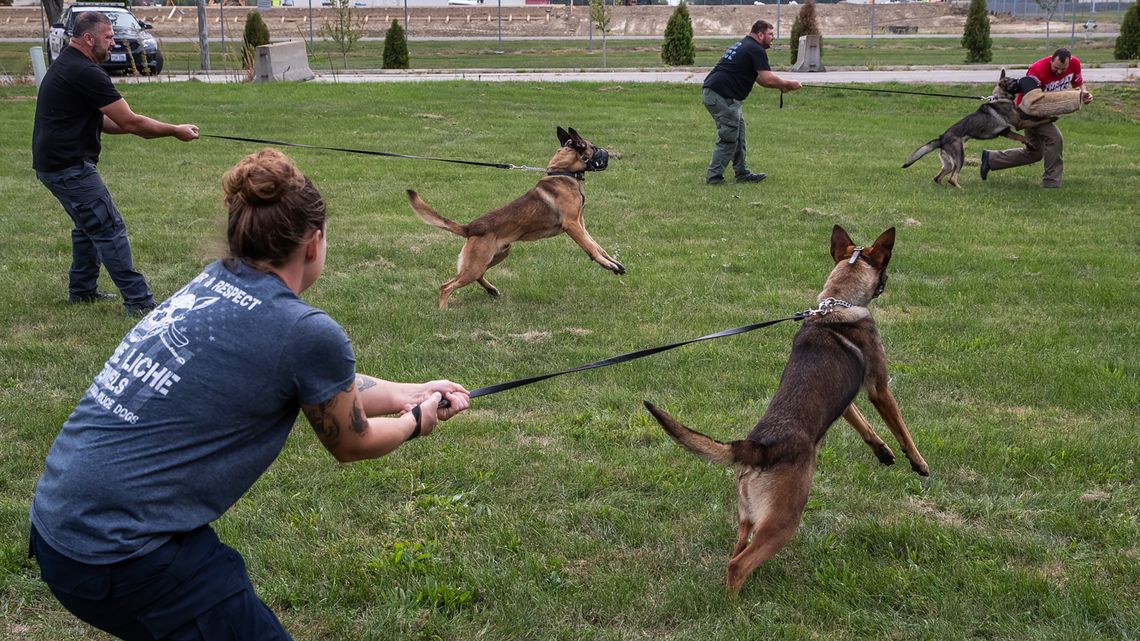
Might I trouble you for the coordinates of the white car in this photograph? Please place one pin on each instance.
(136, 51)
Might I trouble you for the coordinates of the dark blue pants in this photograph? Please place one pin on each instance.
(192, 588)
(100, 236)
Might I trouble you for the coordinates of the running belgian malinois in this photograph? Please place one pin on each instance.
(836, 352)
(553, 206)
(997, 117)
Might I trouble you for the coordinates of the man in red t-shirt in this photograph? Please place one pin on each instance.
(1059, 72)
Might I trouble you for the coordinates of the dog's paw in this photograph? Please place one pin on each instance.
(885, 455)
(921, 468)
(617, 268)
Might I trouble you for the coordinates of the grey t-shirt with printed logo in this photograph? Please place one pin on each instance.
(193, 406)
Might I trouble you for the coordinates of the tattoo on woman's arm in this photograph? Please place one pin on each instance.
(324, 422)
(364, 383)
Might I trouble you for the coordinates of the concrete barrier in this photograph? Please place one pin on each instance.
(282, 61)
(809, 54)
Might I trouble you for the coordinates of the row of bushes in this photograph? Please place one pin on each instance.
(256, 33)
(678, 48)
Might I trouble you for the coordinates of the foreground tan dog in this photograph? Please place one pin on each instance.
(553, 206)
(834, 354)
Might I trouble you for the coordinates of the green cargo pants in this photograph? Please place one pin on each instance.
(730, 146)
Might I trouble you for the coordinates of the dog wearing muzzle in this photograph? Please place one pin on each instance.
(552, 207)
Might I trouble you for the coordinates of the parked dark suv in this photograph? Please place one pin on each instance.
(136, 51)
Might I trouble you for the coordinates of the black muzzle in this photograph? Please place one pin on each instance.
(599, 161)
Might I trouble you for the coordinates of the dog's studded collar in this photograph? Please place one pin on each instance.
(577, 175)
(826, 306)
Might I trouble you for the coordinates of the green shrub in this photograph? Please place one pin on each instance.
(395, 47)
(678, 48)
(805, 25)
(255, 35)
(1128, 42)
(976, 38)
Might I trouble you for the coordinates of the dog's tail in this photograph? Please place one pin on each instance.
(745, 452)
(432, 217)
(922, 151)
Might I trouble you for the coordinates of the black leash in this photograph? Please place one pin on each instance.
(911, 93)
(367, 152)
(825, 307)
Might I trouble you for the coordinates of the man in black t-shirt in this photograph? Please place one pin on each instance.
(77, 102)
(723, 94)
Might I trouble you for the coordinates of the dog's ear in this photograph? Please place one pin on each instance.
(1002, 76)
(563, 137)
(841, 244)
(574, 135)
(880, 252)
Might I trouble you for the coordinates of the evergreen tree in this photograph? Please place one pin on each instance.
(678, 49)
(255, 35)
(395, 47)
(1128, 42)
(976, 38)
(805, 25)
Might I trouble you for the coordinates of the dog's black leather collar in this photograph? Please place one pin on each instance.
(577, 175)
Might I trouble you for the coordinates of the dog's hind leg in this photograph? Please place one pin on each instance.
(500, 256)
(474, 259)
(946, 167)
(877, 445)
(954, 156)
(884, 402)
(743, 529)
(777, 503)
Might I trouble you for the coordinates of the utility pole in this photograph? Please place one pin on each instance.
(203, 40)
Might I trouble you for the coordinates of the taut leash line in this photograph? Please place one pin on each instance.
(368, 152)
(826, 306)
(912, 93)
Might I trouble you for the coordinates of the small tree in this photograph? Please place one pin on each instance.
(1049, 7)
(1128, 42)
(805, 25)
(395, 47)
(976, 38)
(344, 29)
(601, 17)
(678, 48)
(255, 35)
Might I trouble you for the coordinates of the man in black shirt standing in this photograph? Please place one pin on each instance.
(723, 94)
(77, 102)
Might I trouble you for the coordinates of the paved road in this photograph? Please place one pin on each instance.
(913, 75)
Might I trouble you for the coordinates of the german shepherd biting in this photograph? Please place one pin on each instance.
(998, 117)
(553, 206)
(835, 353)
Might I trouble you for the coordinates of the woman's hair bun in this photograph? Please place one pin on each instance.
(263, 178)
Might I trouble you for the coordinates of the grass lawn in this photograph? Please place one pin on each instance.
(560, 510)
(182, 57)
